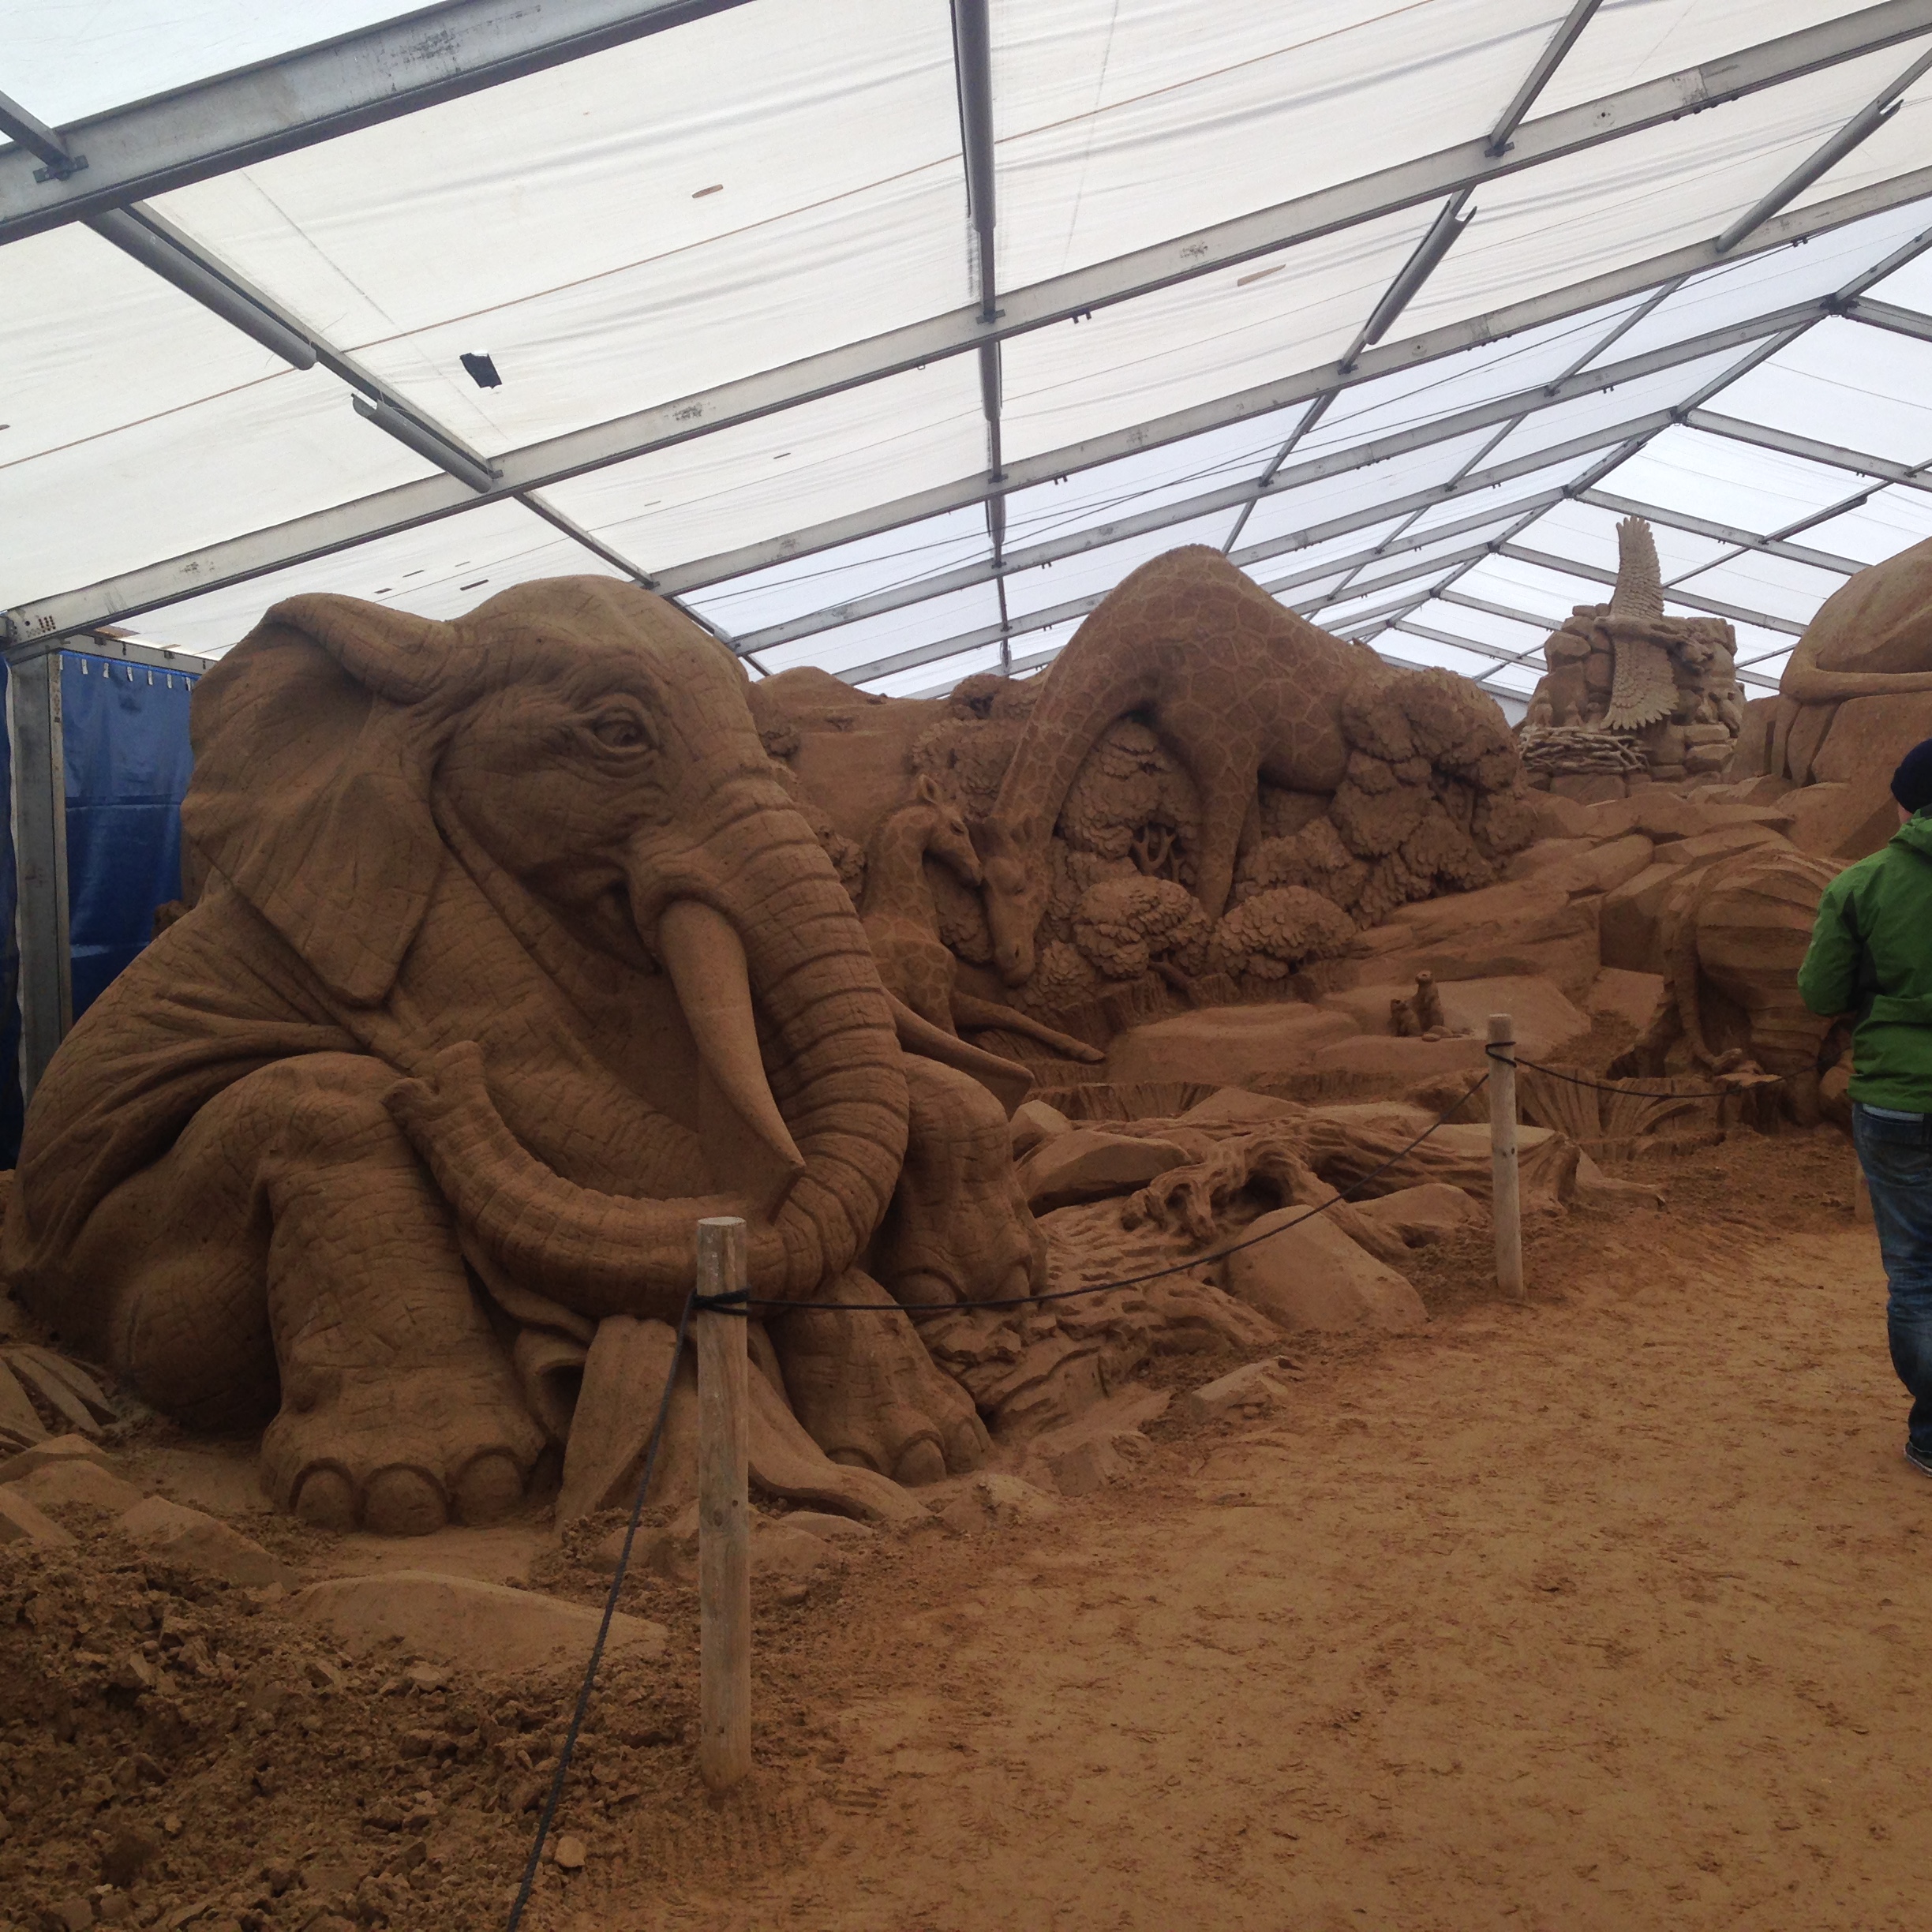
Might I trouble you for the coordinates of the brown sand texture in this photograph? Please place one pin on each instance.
(1608, 1611)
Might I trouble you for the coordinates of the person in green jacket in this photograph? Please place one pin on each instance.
(1871, 955)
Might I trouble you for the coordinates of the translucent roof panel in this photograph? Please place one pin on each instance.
(1320, 499)
(627, 228)
(764, 477)
(1885, 522)
(892, 632)
(1591, 414)
(878, 563)
(69, 376)
(64, 63)
(1201, 340)
(256, 455)
(1660, 189)
(1120, 123)
(1779, 279)
(1774, 584)
(1845, 382)
(1711, 476)
(1100, 570)
(1628, 42)
(437, 569)
(1581, 529)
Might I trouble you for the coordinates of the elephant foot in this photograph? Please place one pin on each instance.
(870, 1396)
(399, 1457)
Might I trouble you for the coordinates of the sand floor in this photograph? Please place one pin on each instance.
(1607, 1612)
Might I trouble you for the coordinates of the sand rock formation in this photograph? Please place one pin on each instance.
(1623, 677)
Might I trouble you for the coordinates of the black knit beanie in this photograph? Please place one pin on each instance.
(1912, 783)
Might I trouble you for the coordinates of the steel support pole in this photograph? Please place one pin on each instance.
(40, 808)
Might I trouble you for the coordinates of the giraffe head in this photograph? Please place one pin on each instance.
(947, 838)
(1014, 861)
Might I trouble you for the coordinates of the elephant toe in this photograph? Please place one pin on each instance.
(400, 1501)
(966, 1445)
(489, 1490)
(920, 1462)
(325, 1499)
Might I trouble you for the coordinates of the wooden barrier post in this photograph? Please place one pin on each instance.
(1505, 1189)
(724, 1511)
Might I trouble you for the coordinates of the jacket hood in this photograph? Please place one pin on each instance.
(1916, 832)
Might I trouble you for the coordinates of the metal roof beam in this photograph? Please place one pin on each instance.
(1546, 625)
(1078, 607)
(1830, 455)
(972, 67)
(312, 94)
(325, 532)
(1721, 533)
(1737, 613)
(1538, 78)
(1407, 574)
(1886, 314)
(1229, 496)
(1861, 127)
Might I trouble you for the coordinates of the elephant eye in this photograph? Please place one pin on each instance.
(622, 730)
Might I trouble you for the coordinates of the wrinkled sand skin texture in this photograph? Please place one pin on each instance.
(1609, 1613)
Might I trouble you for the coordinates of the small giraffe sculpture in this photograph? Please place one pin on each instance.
(1238, 688)
(902, 922)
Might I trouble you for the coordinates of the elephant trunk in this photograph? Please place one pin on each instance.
(803, 1100)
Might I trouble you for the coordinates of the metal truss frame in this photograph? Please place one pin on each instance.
(198, 132)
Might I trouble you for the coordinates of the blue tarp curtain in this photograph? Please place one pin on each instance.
(125, 741)
(11, 1105)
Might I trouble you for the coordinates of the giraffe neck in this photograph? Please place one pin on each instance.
(1063, 728)
(896, 867)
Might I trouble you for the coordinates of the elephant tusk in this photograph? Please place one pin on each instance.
(704, 956)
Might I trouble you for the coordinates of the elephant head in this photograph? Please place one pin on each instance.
(585, 741)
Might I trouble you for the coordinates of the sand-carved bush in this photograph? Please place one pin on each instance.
(1267, 937)
(1122, 926)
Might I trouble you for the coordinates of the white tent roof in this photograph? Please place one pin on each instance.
(1256, 280)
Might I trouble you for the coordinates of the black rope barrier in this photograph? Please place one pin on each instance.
(743, 1303)
(1643, 1093)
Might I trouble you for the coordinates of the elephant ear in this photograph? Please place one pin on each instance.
(315, 739)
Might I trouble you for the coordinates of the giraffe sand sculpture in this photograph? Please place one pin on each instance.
(1239, 688)
(902, 922)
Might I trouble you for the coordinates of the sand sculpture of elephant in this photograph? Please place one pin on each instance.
(512, 960)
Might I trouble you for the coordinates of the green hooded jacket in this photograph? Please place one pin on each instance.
(1871, 954)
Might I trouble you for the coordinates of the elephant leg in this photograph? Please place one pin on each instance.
(399, 1410)
(958, 1231)
(868, 1393)
(958, 1228)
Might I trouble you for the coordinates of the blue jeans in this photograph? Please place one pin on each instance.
(1895, 1153)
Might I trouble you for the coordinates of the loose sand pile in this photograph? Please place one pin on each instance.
(1605, 1613)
